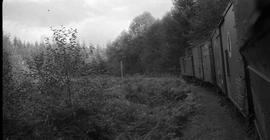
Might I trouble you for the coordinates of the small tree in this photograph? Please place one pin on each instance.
(66, 56)
(55, 65)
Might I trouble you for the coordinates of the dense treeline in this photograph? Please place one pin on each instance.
(155, 45)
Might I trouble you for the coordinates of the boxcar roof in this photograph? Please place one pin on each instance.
(225, 12)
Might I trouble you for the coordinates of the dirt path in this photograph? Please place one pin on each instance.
(213, 122)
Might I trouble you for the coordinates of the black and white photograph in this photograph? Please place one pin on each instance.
(136, 69)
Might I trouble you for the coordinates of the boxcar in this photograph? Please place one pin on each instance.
(218, 61)
(256, 52)
(207, 63)
(197, 62)
(234, 66)
(188, 66)
(259, 73)
(187, 63)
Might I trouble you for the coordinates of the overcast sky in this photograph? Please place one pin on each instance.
(98, 21)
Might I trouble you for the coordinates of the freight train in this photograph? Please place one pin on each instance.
(236, 59)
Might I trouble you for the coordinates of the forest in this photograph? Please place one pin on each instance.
(62, 89)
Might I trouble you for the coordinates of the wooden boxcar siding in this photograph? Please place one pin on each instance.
(197, 61)
(207, 68)
(218, 61)
(234, 67)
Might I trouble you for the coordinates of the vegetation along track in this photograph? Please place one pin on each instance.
(105, 107)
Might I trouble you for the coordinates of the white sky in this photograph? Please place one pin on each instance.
(97, 21)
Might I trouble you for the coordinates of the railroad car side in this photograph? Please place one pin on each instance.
(234, 66)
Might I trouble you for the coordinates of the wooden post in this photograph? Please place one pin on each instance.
(121, 67)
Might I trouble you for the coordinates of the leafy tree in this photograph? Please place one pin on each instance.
(58, 63)
(141, 23)
(199, 17)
